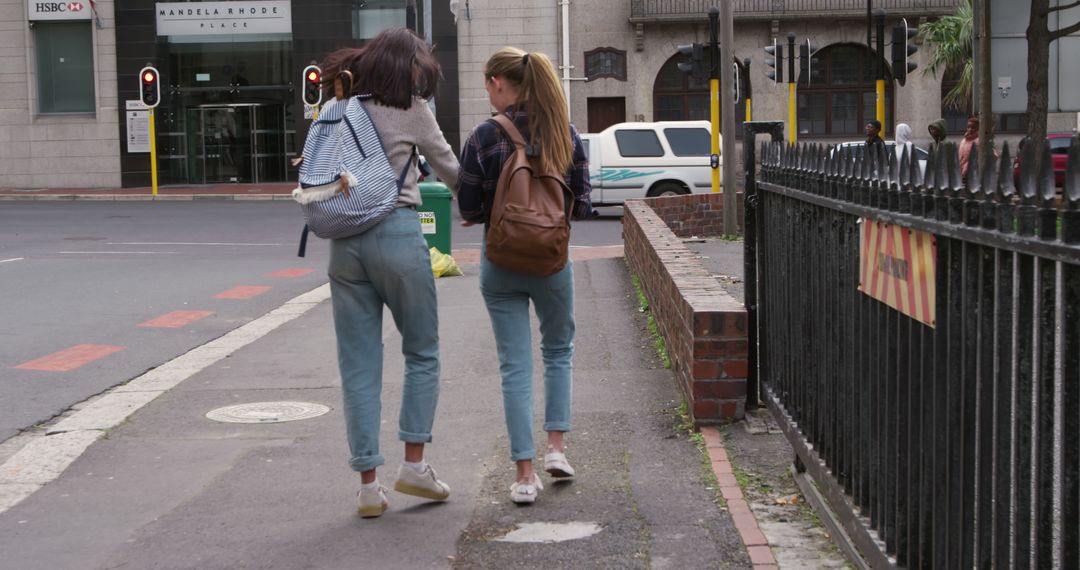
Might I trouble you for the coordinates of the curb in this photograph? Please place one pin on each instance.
(757, 546)
(141, 197)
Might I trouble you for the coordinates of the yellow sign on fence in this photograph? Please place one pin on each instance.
(897, 267)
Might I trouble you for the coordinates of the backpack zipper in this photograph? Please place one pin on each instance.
(354, 137)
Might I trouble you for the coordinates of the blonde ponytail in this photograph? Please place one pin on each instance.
(538, 86)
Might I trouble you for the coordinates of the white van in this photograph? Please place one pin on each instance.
(639, 160)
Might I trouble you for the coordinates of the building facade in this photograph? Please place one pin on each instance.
(622, 62)
(230, 109)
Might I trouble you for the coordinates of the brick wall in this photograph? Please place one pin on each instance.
(703, 326)
(695, 214)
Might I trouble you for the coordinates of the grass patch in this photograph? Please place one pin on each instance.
(654, 330)
(683, 424)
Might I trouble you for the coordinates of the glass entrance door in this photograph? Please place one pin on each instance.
(238, 143)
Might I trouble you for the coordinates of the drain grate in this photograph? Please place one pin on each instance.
(267, 412)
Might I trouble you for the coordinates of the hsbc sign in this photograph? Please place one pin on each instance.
(38, 10)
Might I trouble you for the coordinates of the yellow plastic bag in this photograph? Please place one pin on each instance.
(442, 265)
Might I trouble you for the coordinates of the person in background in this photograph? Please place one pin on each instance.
(971, 136)
(873, 135)
(937, 131)
(903, 141)
(389, 265)
(526, 88)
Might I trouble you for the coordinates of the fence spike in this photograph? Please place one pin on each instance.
(916, 173)
(973, 184)
(1072, 175)
(864, 166)
(955, 181)
(1028, 176)
(1005, 188)
(930, 176)
(1047, 190)
(941, 176)
(988, 176)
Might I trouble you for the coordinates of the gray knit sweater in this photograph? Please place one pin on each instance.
(399, 130)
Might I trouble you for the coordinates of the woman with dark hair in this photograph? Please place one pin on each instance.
(389, 265)
(525, 87)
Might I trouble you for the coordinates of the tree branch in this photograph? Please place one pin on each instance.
(1065, 7)
(1056, 34)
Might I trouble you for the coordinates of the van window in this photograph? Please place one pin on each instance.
(688, 142)
(638, 143)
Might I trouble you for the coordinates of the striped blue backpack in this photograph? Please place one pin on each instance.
(347, 185)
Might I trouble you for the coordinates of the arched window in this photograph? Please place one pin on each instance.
(679, 97)
(842, 95)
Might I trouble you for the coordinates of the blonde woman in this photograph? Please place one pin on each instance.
(525, 87)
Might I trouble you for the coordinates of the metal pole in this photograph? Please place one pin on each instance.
(880, 83)
(714, 97)
(727, 105)
(749, 94)
(792, 117)
(153, 155)
(986, 116)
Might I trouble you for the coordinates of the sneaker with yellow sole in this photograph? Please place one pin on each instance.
(426, 484)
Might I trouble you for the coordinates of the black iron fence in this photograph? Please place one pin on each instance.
(645, 10)
(945, 433)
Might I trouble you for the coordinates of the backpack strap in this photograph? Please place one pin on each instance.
(511, 131)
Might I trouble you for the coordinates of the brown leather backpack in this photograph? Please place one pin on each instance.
(529, 229)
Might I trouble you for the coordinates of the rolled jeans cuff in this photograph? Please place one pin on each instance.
(366, 463)
(557, 426)
(523, 455)
(409, 437)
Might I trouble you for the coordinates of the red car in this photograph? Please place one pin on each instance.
(1059, 155)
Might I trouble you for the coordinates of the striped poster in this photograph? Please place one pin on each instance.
(897, 267)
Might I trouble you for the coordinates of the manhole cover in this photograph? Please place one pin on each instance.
(267, 412)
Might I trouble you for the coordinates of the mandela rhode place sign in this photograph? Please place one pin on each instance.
(240, 17)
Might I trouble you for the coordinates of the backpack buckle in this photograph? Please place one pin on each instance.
(532, 150)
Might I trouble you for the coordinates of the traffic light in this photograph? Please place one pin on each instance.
(808, 69)
(312, 80)
(150, 86)
(775, 62)
(696, 66)
(902, 50)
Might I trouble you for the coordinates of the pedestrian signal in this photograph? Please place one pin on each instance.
(775, 62)
(149, 86)
(902, 49)
(696, 66)
(312, 81)
(808, 64)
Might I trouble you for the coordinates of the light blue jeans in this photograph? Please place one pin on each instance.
(507, 295)
(386, 265)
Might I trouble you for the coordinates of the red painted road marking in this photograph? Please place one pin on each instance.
(70, 358)
(243, 292)
(176, 319)
(297, 272)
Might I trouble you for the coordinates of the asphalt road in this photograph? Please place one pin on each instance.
(81, 284)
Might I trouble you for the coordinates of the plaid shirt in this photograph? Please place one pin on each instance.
(487, 148)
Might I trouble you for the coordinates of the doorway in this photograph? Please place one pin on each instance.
(237, 143)
(606, 111)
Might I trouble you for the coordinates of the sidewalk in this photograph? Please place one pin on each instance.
(169, 488)
(269, 191)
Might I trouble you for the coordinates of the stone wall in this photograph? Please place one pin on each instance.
(705, 329)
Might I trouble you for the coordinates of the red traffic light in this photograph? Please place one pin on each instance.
(313, 76)
(149, 77)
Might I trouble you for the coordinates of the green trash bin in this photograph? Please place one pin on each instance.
(434, 212)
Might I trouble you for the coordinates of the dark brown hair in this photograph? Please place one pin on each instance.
(393, 67)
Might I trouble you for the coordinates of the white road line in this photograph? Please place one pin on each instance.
(187, 243)
(125, 252)
(44, 458)
(12, 259)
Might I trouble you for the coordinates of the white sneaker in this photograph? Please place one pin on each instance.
(426, 484)
(525, 493)
(372, 504)
(556, 465)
